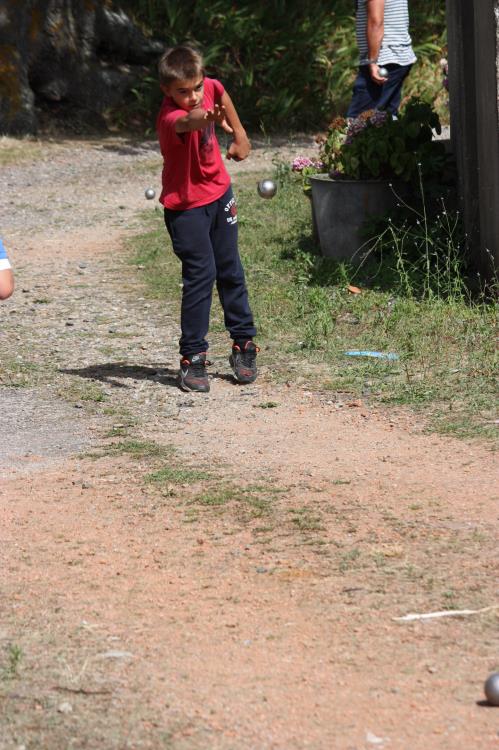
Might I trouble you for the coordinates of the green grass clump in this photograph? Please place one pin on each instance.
(19, 150)
(307, 319)
(139, 449)
(175, 474)
(11, 662)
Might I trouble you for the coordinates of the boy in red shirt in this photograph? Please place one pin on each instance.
(201, 213)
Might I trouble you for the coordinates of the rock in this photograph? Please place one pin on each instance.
(77, 58)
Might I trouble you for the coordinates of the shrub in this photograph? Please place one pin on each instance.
(288, 66)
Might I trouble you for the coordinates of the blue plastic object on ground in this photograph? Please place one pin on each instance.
(377, 355)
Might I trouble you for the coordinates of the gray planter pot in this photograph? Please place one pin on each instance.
(339, 209)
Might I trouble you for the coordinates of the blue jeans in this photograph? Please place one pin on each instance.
(369, 95)
(205, 241)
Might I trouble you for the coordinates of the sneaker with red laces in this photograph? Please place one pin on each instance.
(192, 375)
(243, 362)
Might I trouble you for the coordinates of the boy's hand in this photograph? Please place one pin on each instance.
(239, 149)
(218, 116)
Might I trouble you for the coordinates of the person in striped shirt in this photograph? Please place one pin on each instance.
(385, 55)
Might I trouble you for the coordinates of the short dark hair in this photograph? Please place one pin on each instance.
(180, 63)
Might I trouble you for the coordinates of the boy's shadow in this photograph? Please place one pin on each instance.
(110, 371)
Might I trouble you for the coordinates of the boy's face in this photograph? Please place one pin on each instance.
(186, 94)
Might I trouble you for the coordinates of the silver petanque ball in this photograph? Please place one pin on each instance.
(491, 688)
(383, 72)
(150, 193)
(266, 188)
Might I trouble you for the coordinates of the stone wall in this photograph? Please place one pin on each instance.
(83, 55)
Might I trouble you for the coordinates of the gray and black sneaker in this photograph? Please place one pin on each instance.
(192, 375)
(243, 362)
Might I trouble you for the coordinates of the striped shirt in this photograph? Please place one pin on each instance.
(396, 46)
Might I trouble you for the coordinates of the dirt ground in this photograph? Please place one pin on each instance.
(245, 598)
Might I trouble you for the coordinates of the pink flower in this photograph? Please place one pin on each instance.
(299, 164)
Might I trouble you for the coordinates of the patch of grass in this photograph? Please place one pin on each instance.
(10, 670)
(447, 357)
(87, 391)
(140, 449)
(246, 503)
(305, 519)
(19, 150)
(18, 373)
(349, 559)
(215, 498)
(175, 474)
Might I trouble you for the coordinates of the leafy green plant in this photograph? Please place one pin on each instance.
(375, 146)
(286, 65)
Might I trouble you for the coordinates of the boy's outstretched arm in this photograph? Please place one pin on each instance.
(240, 147)
(200, 118)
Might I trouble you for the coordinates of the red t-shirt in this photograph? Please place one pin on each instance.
(193, 170)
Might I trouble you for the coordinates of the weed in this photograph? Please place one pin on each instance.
(450, 600)
(348, 559)
(306, 520)
(84, 391)
(19, 150)
(175, 474)
(14, 656)
(140, 449)
(18, 373)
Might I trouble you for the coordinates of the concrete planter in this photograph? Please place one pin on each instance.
(340, 207)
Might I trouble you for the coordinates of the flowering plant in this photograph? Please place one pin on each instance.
(376, 146)
(303, 162)
(444, 67)
(305, 166)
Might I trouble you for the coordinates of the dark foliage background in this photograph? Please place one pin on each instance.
(287, 65)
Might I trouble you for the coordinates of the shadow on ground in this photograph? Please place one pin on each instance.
(113, 373)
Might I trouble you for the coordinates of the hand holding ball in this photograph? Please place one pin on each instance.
(150, 193)
(266, 188)
(383, 71)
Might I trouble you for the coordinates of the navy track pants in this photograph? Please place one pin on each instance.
(205, 241)
(369, 95)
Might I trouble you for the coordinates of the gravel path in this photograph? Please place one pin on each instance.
(245, 597)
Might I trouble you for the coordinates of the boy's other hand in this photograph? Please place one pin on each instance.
(218, 116)
(239, 149)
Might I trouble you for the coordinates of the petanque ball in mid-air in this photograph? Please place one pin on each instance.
(266, 188)
(491, 688)
(150, 193)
